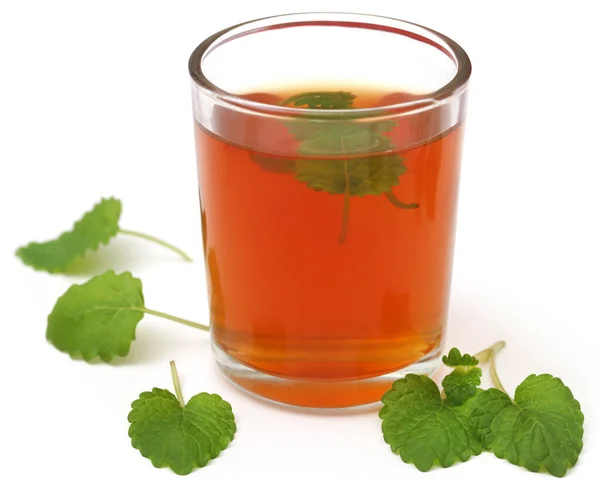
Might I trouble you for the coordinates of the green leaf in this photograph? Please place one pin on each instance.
(374, 174)
(422, 429)
(461, 384)
(276, 165)
(345, 157)
(482, 410)
(542, 429)
(97, 318)
(326, 139)
(332, 100)
(181, 438)
(97, 226)
(327, 163)
(455, 358)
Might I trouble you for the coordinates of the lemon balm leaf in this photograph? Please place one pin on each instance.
(461, 384)
(330, 100)
(177, 435)
(98, 319)
(95, 228)
(542, 429)
(422, 429)
(455, 358)
(357, 176)
(346, 158)
(482, 410)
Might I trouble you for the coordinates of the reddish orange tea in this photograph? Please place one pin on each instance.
(292, 300)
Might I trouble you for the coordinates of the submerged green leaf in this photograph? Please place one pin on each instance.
(359, 176)
(322, 99)
(345, 157)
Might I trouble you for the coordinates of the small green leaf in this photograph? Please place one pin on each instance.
(422, 429)
(542, 429)
(177, 437)
(455, 358)
(97, 318)
(461, 384)
(331, 100)
(276, 165)
(97, 226)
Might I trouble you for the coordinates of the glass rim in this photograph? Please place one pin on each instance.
(424, 102)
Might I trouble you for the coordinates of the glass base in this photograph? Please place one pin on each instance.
(318, 394)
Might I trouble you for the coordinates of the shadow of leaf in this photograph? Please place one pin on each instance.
(119, 255)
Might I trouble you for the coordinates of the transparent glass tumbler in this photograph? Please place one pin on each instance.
(328, 153)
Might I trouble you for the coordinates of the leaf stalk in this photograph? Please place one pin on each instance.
(151, 238)
(489, 356)
(176, 384)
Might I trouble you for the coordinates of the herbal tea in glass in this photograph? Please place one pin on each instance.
(328, 213)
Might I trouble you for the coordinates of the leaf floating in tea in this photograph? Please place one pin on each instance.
(325, 154)
(357, 176)
(274, 165)
(322, 99)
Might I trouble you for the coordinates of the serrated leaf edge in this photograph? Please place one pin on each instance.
(91, 358)
(223, 438)
(423, 380)
(63, 268)
(542, 468)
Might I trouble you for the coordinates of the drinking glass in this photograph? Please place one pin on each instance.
(328, 151)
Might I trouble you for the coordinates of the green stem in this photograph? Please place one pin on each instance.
(157, 241)
(400, 204)
(484, 356)
(489, 356)
(176, 384)
(346, 213)
(174, 318)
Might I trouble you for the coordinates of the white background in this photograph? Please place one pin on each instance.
(94, 101)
